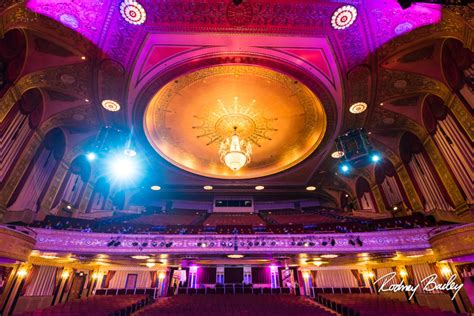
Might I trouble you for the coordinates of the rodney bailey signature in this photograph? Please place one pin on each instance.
(430, 286)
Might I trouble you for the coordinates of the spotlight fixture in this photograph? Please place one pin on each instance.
(359, 242)
(155, 188)
(345, 167)
(123, 168)
(259, 187)
(91, 156)
(375, 157)
(333, 242)
(169, 244)
(111, 105)
(324, 243)
(351, 242)
(310, 188)
(337, 154)
(358, 107)
(208, 187)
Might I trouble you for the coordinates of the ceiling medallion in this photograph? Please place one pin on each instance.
(358, 107)
(133, 12)
(344, 17)
(237, 127)
(111, 105)
(337, 154)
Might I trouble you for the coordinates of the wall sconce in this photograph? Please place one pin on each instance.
(161, 276)
(403, 273)
(22, 273)
(65, 275)
(446, 271)
(305, 275)
(369, 274)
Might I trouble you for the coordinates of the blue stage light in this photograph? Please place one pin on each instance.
(345, 167)
(91, 156)
(375, 158)
(123, 168)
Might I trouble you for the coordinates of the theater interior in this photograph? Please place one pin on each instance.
(236, 157)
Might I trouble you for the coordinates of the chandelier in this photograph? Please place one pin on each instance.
(235, 152)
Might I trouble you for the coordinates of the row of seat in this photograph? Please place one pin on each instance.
(374, 305)
(95, 306)
(232, 289)
(234, 305)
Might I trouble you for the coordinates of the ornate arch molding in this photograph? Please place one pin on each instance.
(18, 17)
(455, 22)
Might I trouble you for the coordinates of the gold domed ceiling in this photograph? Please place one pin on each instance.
(278, 120)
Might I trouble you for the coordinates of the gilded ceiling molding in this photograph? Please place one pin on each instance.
(20, 168)
(72, 117)
(15, 244)
(18, 17)
(358, 90)
(455, 242)
(70, 79)
(451, 25)
(393, 84)
(445, 175)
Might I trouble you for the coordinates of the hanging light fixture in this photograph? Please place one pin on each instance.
(235, 152)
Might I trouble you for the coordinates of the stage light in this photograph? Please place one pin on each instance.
(359, 242)
(117, 243)
(91, 156)
(110, 243)
(324, 243)
(345, 167)
(351, 242)
(333, 242)
(123, 168)
(375, 158)
(155, 188)
(169, 244)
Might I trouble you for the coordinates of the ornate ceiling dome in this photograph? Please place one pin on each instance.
(189, 120)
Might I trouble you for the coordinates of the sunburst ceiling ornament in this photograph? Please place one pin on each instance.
(337, 154)
(133, 12)
(344, 17)
(237, 127)
(111, 105)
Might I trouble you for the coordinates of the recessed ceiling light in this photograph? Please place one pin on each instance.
(310, 188)
(140, 257)
(358, 107)
(133, 12)
(344, 17)
(111, 105)
(83, 57)
(337, 154)
(329, 256)
(155, 187)
(208, 187)
(259, 187)
(86, 100)
(235, 256)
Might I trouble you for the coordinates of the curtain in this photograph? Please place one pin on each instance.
(391, 191)
(206, 275)
(44, 282)
(456, 149)
(107, 279)
(356, 274)
(12, 140)
(384, 271)
(120, 278)
(335, 278)
(31, 275)
(421, 271)
(36, 182)
(154, 279)
(427, 183)
(261, 275)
